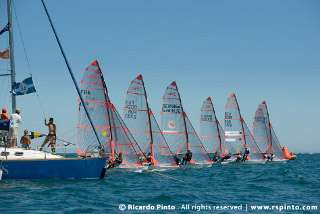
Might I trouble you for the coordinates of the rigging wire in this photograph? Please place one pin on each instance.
(27, 59)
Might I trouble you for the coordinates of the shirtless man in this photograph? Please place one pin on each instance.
(51, 136)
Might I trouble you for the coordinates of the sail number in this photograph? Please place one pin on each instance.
(206, 118)
(132, 112)
(171, 108)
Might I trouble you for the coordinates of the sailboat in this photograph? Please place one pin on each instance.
(144, 127)
(17, 163)
(265, 136)
(238, 135)
(211, 132)
(113, 134)
(178, 130)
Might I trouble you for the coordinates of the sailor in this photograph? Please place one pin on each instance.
(4, 133)
(238, 157)
(246, 153)
(15, 120)
(119, 158)
(187, 157)
(149, 158)
(51, 136)
(265, 156)
(216, 157)
(271, 157)
(25, 140)
(177, 159)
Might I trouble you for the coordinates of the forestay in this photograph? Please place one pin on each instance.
(143, 126)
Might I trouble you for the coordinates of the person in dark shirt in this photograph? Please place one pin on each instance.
(177, 159)
(216, 157)
(119, 158)
(149, 158)
(187, 157)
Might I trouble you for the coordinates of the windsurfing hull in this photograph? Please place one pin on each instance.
(64, 168)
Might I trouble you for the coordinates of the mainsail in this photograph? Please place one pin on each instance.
(264, 134)
(209, 128)
(177, 128)
(111, 130)
(143, 125)
(237, 132)
(93, 93)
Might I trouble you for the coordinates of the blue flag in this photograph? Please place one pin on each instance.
(24, 87)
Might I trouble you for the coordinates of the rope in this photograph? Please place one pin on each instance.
(27, 59)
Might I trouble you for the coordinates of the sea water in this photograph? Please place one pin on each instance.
(279, 188)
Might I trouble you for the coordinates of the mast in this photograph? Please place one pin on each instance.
(108, 112)
(221, 153)
(150, 128)
(184, 116)
(244, 136)
(269, 127)
(11, 52)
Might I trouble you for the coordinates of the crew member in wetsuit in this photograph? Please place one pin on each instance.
(118, 160)
(149, 158)
(51, 136)
(271, 157)
(246, 153)
(216, 157)
(187, 157)
(177, 159)
(238, 157)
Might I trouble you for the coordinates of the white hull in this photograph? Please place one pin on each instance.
(276, 161)
(247, 162)
(196, 165)
(25, 154)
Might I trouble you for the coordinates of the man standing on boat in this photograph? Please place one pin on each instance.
(4, 133)
(15, 120)
(51, 136)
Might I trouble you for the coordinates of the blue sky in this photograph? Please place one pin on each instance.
(259, 50)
